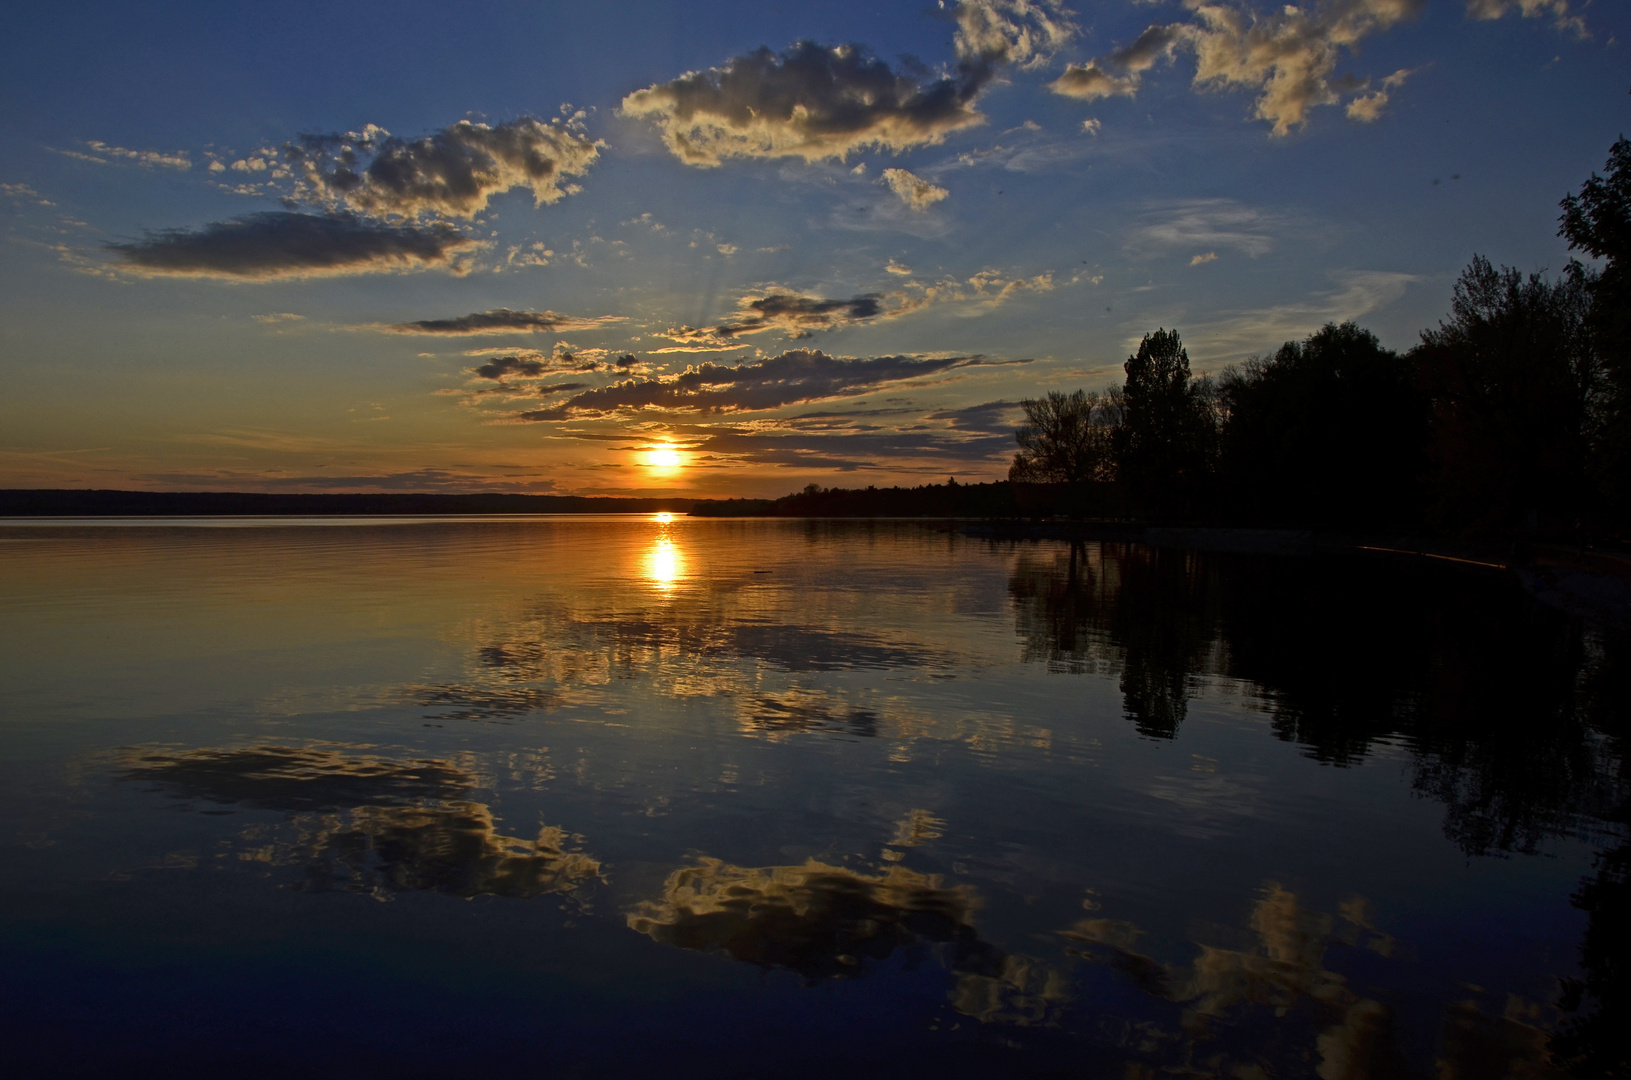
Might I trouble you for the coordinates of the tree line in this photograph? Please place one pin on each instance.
(1512, 416)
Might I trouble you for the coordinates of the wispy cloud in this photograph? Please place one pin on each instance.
(1260, 330)
(500, 321)
(1530, 9)
(800, 375)
(103, 154)
(281, 245)
(1205, 224)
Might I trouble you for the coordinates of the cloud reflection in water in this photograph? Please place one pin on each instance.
(367, 824)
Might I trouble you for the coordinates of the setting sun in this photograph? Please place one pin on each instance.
(664, 458)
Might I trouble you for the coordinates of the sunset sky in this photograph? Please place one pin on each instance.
(728, 248)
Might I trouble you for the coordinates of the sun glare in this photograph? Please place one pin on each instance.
(664, 459)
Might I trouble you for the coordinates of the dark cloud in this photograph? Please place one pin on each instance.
(501, 321)
(799, 316)
(450, 172)
(521, 366)
(810, 101)
(860, 447)
(814, 101)
(794, 376)
(278, 244)
(989, 418)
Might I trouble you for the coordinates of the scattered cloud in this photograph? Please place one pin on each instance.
(914, 191)
(280, 245)
(1121, 71)
(1092, 126)
(898, 268)
(1210, 256)
(278, 317)
(24, 193)
(797, 376)
(1288, 54)
(1530, 9)
(816, 102)
(103, 154)
(500, 321)
(449, 173)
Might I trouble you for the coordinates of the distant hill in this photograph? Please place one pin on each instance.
(950, 499)
(65, 502)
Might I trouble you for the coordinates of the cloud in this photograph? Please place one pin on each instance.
(1262, 330)
(1092, 126)
(1288, 54)
(529, 364)
(103, 154)
(1530, 9)
(914, 191)
(279, 245)
(1025, 33)
(1205, 223)
(1120, 72)
(1367, 108)
(899, 269)
(796, 376)
(817, 102)
(24, 193)
(451, 172)
(278, 317)
(798, 316)
(500, 321)
(1198, 260)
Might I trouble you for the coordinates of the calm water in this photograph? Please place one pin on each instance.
(605, 797)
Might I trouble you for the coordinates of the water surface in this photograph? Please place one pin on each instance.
(637, 796)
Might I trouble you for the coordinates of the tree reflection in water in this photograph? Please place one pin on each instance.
(1515, 716)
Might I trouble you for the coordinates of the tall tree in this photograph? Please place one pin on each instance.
(1167, 439)
(1328, 431)
(1598, 222)
(1513, 384)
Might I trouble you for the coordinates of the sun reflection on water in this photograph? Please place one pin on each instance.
(665, 559)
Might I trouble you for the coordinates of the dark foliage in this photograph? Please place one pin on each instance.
(1513, 385)
(1167, 441)
(950, 499)
(1598, 222)
(1328, 431)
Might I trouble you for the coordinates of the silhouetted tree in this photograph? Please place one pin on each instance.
(1328, 431)
(1067, 438)
(1168, 434)
(1598, 222)
(1513, 384)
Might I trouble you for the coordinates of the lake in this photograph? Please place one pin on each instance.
(580, 796)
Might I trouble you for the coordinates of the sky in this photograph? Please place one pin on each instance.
(728, 249)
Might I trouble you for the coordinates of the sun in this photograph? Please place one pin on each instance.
(664, 458)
